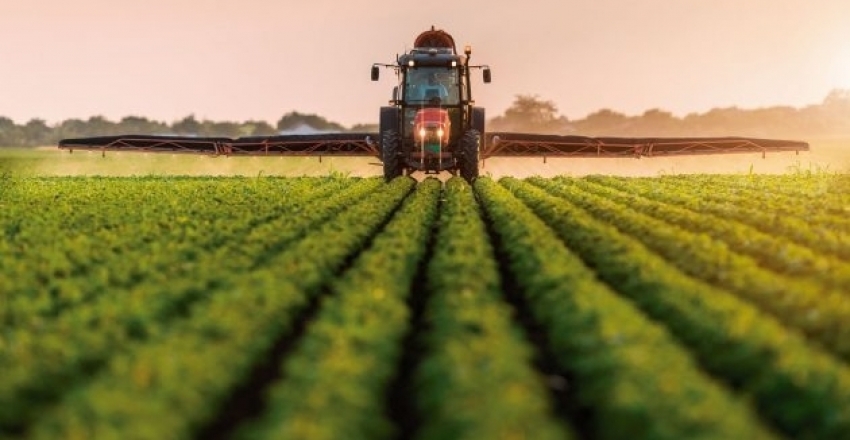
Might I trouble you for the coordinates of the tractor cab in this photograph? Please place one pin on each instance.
(432, 85)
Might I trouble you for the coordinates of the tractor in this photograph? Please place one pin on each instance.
(431, 124)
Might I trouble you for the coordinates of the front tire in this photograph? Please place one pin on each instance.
(468, 158)
(390, 154)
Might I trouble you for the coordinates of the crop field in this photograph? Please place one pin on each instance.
(339, 307)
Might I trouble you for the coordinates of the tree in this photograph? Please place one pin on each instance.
(141, 125)
(365, 128)
(257, 128)
(530, 113)
(38, 133)
(838, 97)
(72, 128)
(293, 120)
(657, 122)
(11, 135)
(187, 126)
(721, 121)
(216, 129)
(603, 122)
(100, 126)
(834, 113)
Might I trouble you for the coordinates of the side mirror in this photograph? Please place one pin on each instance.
(487, 75)
(395, 93)
(375, 73)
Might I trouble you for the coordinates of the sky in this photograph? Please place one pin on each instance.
(244, 60)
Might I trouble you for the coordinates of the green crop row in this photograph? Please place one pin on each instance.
(45, 356)
(820, 200)
(802, 390)
(819, 237)
(53, 266)
(769, 250)
(151, 393)
(817, 199)
(626, 368)
(476, 378)
(815, 189)
(334, 382)
(822, 313)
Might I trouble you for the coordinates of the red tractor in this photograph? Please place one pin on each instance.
(432, 125)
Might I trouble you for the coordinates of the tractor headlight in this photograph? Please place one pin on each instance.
(422, 132)
(440, 133)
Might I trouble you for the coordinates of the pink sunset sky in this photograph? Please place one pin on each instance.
(259, 59)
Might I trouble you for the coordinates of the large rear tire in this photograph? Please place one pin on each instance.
(391, 154)
(468, 158)
(478, 120)
(388, 121)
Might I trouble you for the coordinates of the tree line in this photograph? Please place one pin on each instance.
(830, 118)
(37, 132)
(528, 113)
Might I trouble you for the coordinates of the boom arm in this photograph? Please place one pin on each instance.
(498, 144)
(336, 144)
(526, 144)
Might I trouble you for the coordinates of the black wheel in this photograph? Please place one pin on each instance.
(478, 120)
(468, 157)
(390, 154)
(388, 121)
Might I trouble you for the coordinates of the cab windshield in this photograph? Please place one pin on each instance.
(431, 85)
